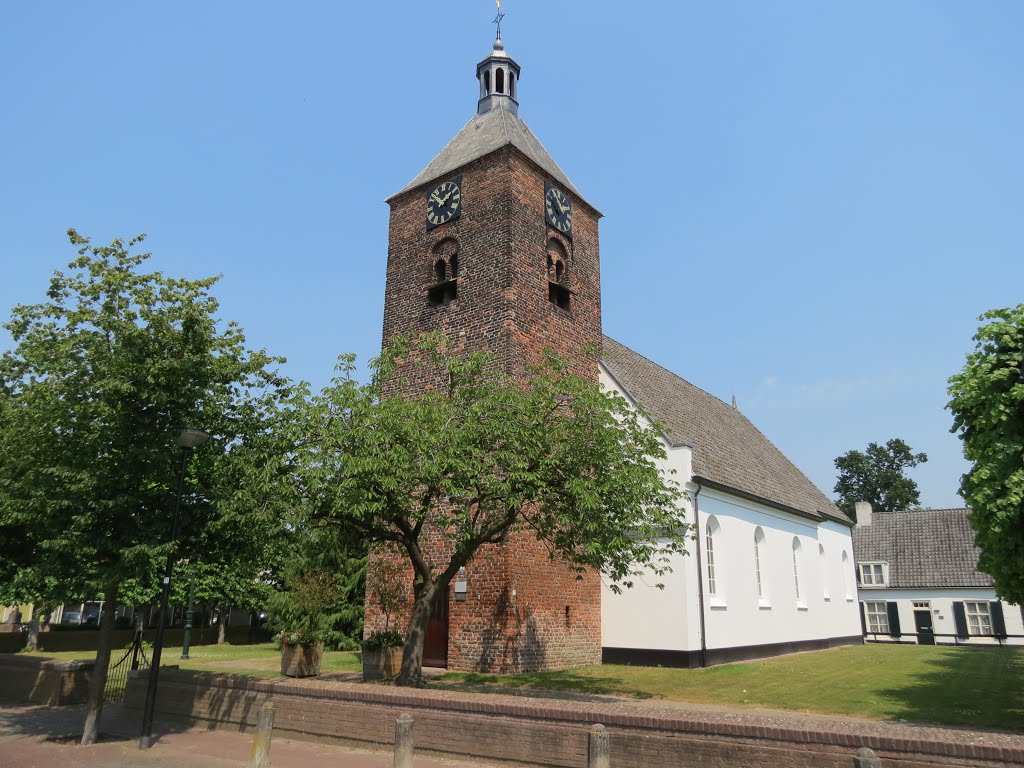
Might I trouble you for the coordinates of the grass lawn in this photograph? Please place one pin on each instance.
(257, 660)
(974, 687)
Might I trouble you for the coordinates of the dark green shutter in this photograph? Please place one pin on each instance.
(863, 621)
(894, 619)
(960, 617)
(998, 622)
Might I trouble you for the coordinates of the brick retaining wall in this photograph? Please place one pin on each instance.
(32, 680)
(553, 732)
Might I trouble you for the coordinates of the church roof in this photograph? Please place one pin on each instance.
(485, 134)
(728, 450)
(923, 547)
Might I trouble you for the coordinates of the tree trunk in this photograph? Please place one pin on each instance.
(412, 654)
(32, 642)
(222, 628)
(94, 708)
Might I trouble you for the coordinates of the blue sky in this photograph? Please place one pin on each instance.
(807, 204)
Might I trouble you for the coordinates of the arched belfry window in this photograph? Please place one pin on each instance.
(444, 272)
(558, 275)
(512, 84)
(487, 83)
(499, 80)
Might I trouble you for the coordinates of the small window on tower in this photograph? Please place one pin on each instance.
(512, 84)
(487, 83)
(445, 270)
(558, 283)
(499, 81)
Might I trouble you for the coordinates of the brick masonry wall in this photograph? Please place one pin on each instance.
(30, 679)
(547, 732)
(523, 611)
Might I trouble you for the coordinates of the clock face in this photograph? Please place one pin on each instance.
(444, 203)
(557, 209)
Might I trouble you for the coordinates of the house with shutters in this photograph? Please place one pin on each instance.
(918, 581)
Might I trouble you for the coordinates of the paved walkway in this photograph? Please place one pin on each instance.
(44, 737)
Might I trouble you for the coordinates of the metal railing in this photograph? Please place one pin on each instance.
(117, 674)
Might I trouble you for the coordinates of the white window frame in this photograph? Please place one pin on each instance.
(762, 591)
(801, 604)
(979, 617)
(709, 549)
(874, 573)
(823, 563)
(876, 617)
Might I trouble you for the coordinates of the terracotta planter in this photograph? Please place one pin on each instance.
(301, 660)
(381, 664)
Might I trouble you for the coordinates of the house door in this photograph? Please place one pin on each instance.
(435, 643)
(923, 621)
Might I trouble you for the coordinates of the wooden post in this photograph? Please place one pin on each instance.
(260, 755)
(403, 742)
(597, 756)
(866, 758)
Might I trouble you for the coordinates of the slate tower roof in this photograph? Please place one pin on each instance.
(728, 450)
(497, 124)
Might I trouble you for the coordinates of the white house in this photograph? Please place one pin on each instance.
(919, 581)
(771, 570)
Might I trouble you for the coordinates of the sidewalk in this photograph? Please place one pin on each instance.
(44, 737)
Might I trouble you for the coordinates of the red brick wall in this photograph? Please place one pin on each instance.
(552, 732)
(503, 308)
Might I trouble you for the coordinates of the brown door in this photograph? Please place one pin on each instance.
(435, 643)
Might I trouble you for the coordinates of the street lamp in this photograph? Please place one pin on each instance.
(188, 440)
(187, 641)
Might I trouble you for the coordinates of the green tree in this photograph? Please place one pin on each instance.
(478, 457)
(878, 475)
(104, 373)
(988, 414)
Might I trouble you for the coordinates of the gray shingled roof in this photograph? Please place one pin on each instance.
(923, 547)
(485, 134)
(728, 449)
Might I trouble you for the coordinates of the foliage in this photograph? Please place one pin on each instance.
(988, 414)
(478, 457)
(105, 372)
(383, 639)
(385, 587)
(878, 476)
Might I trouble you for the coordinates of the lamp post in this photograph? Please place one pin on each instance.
(187, 641)
(188, 440)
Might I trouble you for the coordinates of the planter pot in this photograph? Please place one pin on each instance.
(301, 660)
(381, 664)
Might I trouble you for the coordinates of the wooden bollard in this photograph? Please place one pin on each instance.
(866, 758)
(260, 755)
(403, 741)
(597, 754)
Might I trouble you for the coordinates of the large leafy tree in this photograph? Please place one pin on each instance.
(988, 414)
(478, 457)
(105, 371)
(878, 475)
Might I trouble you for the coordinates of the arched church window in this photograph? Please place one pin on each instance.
(558, 275)
(758, 552)
(823, 563)
(499, 80)
(796, 568)
(444, 272)
(711, 531)
(846, 576)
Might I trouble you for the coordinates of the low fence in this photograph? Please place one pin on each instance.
(552, 732)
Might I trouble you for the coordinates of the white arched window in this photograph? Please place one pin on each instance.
(846, 576)
(711, 531)
(824, 571)
(762, 595)
(796, 569)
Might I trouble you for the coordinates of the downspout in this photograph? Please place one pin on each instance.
(700, 580)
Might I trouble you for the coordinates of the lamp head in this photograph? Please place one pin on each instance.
(191, 438)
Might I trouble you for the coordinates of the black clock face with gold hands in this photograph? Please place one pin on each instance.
(557, 209)
(444, 203)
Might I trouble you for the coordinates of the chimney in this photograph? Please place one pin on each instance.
(863, 512)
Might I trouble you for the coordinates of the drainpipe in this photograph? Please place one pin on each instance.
(700, 580)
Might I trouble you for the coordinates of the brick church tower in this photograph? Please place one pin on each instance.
(492, 245)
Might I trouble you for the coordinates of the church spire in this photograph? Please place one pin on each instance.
(499, 77)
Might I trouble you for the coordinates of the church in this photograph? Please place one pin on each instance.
(492, 245)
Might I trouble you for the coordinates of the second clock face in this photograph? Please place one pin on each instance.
(444, 203)
(557, 209)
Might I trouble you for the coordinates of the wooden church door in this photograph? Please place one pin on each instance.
(435, 642)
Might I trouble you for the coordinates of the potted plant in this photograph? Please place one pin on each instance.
(309, 596)
(382, 655)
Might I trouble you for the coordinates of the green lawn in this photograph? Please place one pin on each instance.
(258, 660)
(975, 687)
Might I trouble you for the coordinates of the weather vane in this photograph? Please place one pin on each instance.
(499, 17)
